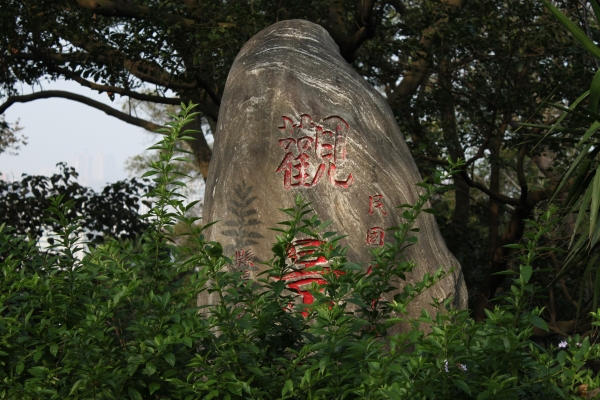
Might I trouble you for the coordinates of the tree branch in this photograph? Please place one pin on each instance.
(435, 160)
(81, 99)
(208, 106)
(349, 39)
(521, 174)
(496, 196)
(115, 89)
(414, 77)
(128, 10)
(152, 73)
(144, 70)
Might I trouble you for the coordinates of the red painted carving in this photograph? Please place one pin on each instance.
(375, 236)
(244, 261)
(375, 203)
(300, 280)
(312, 148)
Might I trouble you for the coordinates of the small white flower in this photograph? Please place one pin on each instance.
(578, 344)
(563, 344)
(463, 367)
(446, 366)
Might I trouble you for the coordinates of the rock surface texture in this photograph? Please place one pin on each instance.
(296, 118)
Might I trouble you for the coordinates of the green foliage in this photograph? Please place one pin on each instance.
(579, 187)
(582, 177)
(10, 138)
(112, 212)
(123, 323)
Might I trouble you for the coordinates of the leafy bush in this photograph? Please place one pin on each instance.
(121, 322)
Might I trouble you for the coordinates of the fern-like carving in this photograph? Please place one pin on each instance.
(241, 227)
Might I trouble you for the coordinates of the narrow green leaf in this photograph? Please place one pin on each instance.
(558, 390)
(526, 271)
(585, 202)
(581, 37)
(596, 9)
(595, 201)
(565, 178)
(514, 246)
(28, 316)
(596, 290)
(507, 272)
(75, 386)
(595, 92)
(19, 368)
(593, 128)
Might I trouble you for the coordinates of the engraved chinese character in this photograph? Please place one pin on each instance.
(375, 203)
(301, 253)
(301, 250)
(244, 260)
(375, 236)
(314, 150)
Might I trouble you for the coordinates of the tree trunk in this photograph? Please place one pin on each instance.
(202, 153)
(513, 232)
(495, 250)
(460, 215)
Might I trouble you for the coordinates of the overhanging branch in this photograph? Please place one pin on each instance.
(142, 123)
(115, 89)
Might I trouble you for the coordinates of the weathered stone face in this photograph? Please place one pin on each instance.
(296, 118)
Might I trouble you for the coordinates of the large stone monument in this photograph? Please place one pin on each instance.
(296, 118)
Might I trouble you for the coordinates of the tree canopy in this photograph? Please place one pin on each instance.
(460, 77)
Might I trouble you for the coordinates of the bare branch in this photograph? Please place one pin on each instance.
(81, 99)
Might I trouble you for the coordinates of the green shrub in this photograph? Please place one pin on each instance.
(121, 321)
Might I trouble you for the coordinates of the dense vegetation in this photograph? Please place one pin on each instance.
(121, 321)
(461, 77)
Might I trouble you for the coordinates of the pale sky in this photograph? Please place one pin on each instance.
(65, 130)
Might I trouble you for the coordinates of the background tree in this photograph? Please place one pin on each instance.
(459, 75)
(114, 212)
